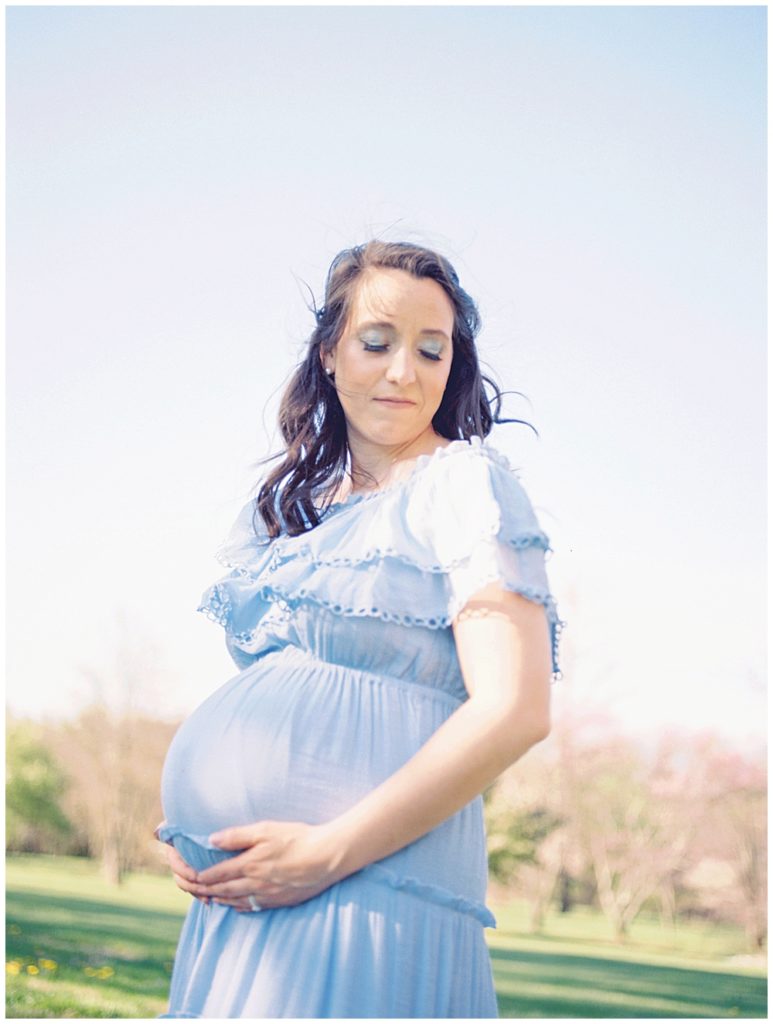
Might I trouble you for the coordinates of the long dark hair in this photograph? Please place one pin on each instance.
(311, 418)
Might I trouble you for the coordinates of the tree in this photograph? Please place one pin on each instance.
(636, 816)
(34, 787)
(526, 832)
(114, 752)
(115, 762)
(729, 876)
(746, 813)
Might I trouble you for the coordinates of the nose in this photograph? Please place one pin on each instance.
(401, 369)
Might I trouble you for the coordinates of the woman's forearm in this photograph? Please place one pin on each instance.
(461, 758)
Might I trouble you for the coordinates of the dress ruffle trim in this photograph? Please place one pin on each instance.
(217, 606)
(201, 854)
(433, 893)
(351, 563)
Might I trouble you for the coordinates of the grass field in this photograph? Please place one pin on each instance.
(77, 947)
(576, 970)
(94, 950)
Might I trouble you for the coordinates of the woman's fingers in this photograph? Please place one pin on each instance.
(235, 890)
(179, 866)
(274, 902)
(230, 869)
(189, 887)
(183, 874)
(186, 885)
(240, 905)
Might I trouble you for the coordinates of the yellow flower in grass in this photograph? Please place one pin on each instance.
(91, 971)
(32, 969)
(105, 972)
(48, 965)
(12, 967)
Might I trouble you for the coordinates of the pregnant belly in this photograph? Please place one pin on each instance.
(293, 738)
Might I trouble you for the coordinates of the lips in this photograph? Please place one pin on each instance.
(395, 401)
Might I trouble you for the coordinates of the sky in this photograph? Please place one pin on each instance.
(179, 180)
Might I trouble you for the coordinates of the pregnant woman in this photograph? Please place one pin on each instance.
(388, 610)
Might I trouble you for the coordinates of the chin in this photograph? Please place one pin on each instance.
(387, 433)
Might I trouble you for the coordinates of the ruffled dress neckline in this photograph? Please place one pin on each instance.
(420, 462)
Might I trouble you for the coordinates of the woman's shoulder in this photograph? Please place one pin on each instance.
(469, 491)
(464, 474)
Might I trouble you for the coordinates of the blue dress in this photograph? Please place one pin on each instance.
(347, 665)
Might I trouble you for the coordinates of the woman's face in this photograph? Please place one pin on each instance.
(395, 345)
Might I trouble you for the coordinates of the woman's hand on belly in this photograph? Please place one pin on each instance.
(283, 863)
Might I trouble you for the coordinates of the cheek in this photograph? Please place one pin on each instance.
(356, 366)
(357, 380)
(438, 386)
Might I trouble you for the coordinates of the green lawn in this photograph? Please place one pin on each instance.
(77, 947)
(576, 970)
(112, 947)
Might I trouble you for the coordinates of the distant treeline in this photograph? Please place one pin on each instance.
(677, 827)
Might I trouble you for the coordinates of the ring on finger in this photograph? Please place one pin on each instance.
(254, 905)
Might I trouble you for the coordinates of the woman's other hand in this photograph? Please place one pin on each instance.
(183, 874)
(282, 863)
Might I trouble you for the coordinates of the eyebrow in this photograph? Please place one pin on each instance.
(386, 323)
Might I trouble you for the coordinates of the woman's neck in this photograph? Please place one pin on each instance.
(369, 462)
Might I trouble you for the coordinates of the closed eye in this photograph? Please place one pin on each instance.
(434, 356)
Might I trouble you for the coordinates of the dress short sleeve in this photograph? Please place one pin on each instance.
(474, 514)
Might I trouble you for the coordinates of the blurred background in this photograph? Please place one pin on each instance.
(179, 179)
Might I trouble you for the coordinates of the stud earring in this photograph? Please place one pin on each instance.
(329, 371)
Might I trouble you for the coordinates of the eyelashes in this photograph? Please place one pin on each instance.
(382, 348)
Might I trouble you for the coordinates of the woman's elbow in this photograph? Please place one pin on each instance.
(522, 730)
(541, 728)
